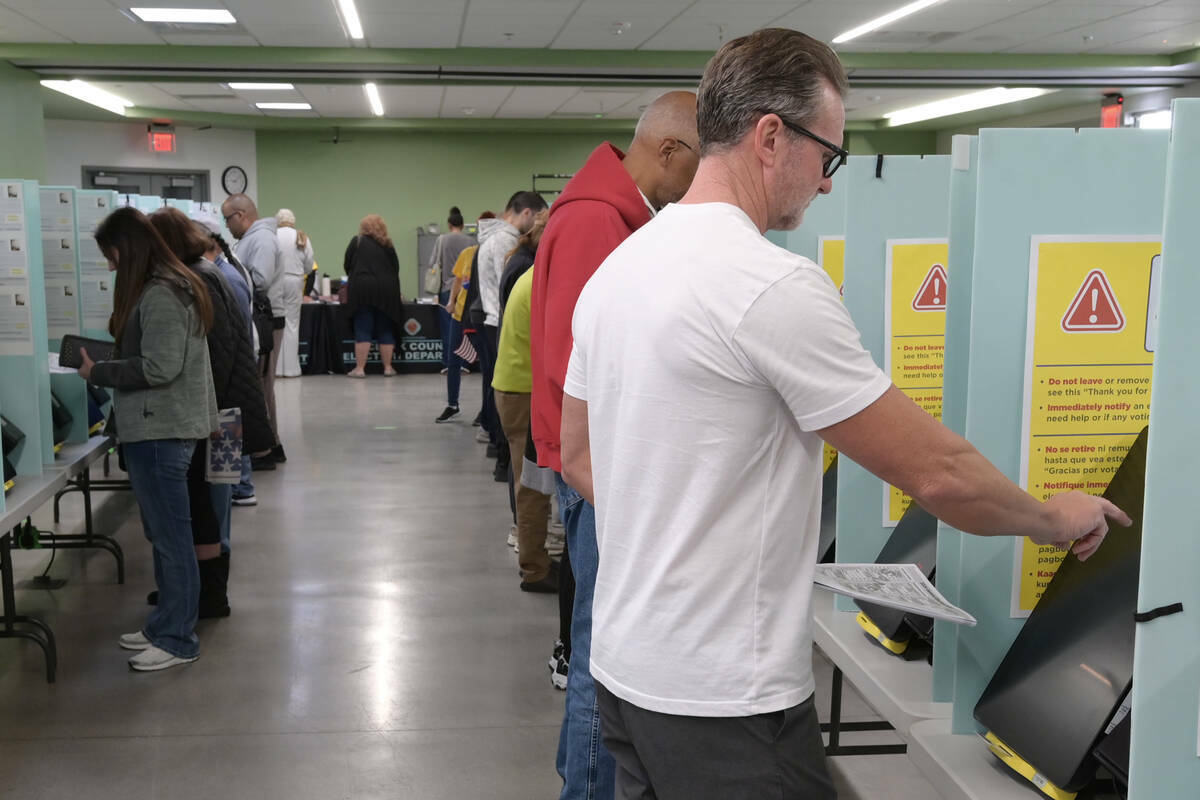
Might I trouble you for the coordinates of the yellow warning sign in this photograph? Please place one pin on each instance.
(914, 333)
(831, 256)
(1088, 364)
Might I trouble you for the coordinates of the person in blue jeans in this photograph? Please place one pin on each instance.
(163, 405)
(580, 733)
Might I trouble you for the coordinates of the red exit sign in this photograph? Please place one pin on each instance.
(162, 141)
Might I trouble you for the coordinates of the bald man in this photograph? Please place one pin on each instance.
(610, 197)
(258, 250)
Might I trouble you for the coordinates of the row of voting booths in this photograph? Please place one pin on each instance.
(1035, 291)
(54, 282)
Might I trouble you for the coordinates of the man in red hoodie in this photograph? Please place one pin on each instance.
(611, 196)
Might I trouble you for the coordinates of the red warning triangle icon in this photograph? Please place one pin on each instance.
(932, 294)
(1095, 308)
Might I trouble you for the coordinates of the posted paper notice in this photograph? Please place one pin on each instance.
(914, 334)
(1088, 367)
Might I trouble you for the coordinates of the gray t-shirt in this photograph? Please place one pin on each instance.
(446, 250)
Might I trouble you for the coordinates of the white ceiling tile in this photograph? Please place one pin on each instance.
(706, 25)
(597, 101)
(486, 100)
(534, 102)
(94, 27)
(298, 34)
(223, 106)
(411, 101)
(194, 88)
(412, 30)
(143, 95)
(1101, 33)
(510, 30)
(282, 12)
(17, 28)
(337, 100)
(594, 31)
(211, 39)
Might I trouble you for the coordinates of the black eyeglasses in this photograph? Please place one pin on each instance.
(234, 214)
(838, 155)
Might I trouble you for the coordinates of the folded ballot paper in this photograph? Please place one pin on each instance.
(902, 586)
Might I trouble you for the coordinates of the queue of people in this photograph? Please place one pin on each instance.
(199, 333)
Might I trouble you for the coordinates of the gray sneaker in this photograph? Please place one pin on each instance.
(152, 660)
(134, 641)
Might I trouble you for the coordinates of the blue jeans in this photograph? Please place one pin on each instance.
(222, 501)
(452, 334)
(585, 765)
(246, 487)
(158, 473)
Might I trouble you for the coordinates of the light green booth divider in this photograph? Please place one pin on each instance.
(96, 283)
(826, 216)
(24, 368)
(1166, 666)
(183, 205)
(1031, 182)
(60, 268)
(964, 175)
(910, 200)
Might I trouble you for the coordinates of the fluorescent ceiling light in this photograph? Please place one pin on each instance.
(879, 22)
(82, 90)
(350, 17)
(284, 106)
(958, 105)
(195, 16)
(261, 87)
(1155, 120)
(373, 97)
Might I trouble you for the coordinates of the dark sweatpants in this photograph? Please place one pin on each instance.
(775, 756)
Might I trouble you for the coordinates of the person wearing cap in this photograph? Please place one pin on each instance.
(296, 259)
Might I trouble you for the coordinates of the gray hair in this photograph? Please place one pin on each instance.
(773, 70)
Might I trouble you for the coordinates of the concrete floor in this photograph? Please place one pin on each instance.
(378, 647)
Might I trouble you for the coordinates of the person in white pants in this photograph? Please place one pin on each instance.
(296, 259)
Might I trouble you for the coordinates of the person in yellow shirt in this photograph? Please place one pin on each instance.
(454, 306)
(512, 384)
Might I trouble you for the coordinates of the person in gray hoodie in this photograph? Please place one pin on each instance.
(497, 240)
(258, 250)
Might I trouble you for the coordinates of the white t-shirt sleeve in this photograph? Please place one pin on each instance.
(799, 337)
(576, 380)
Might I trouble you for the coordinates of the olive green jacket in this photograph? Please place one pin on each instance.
(162, 380)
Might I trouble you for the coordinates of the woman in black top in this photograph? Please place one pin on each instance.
(373, 296)
(236, 381)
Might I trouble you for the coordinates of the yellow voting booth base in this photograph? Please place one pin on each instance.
(1025, 769)
(873, 631)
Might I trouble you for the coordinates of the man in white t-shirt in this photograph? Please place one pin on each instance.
(708, 401)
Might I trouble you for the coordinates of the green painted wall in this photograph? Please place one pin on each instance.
(23, 154)
(892, 142)
(411, 179)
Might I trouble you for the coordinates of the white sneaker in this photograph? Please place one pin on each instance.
(512, 536)
(134, 641)
(482, 437)
(555, 543)
(152, 659)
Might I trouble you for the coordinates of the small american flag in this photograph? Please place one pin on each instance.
(466, 351)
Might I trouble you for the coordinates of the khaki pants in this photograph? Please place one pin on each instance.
(533, 508)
